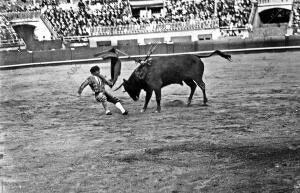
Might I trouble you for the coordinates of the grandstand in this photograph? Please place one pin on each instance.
(114, 18)
(97, 23)
(296, 16)
(8, 37)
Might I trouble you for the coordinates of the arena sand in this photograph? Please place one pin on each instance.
(246, 140)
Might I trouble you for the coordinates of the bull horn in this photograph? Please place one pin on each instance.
(119, 87)
(151, 50)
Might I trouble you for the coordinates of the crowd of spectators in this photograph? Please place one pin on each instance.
(180, 10)
(234, 14)
(205, 9)
(19, 6)
(45, 3)
(231, 13)
(68, 22)
(22, 8)
(6, 31)
(77, 22)
(296, 16)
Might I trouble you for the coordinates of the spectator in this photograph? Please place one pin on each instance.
(81, 5)
(231, 14)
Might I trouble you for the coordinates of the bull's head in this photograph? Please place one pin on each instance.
(136, 81)
(131, 88)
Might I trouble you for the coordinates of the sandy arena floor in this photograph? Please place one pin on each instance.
(246, 140)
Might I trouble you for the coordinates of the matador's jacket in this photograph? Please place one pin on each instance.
(97, 85)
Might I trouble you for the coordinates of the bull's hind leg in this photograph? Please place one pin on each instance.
(158, 98)
(147, 99)
(193, 86)
(201, 84)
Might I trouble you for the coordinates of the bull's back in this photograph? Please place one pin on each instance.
(175, 69)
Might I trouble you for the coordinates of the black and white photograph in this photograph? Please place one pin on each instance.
(149, 96)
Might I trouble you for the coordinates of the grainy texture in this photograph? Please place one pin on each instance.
(246, 140)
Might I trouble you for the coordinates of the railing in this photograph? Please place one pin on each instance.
(140, 29)
(29, 15)
(236, 32)
(291, 20)
(265, 2)
(293, 24)
(73, 39)
(11, 43)
(153, 28)
(252, 14)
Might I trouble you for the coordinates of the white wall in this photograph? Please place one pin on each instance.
(166, 35)
(273, 2)
(263, 8)
(270, 4)
(41, 31)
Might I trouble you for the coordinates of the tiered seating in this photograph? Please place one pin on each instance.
(17, 6)
(77, 22)
(84, 20)
(8, 37)
(296, 16)
(234, 13)
(150, 28)
(48, 3)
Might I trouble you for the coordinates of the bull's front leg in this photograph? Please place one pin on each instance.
(158, 99)
(147, 99)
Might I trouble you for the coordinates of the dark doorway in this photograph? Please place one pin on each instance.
(275, 15)
(26, 32)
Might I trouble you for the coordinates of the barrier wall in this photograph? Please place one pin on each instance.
(132, 48)
(46, 45)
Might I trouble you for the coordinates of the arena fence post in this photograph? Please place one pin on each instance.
(71, 52)
(31, 53)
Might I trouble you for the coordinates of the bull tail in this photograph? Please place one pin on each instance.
(217, 52)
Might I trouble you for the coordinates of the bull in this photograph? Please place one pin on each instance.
(157, 72)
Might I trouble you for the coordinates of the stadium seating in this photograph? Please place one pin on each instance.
(48, 3)
(17, 6)
(86, 20)
(186, 10)
(8, 37)
(100, 18)
(78, 22)
(296, 16)
(234, 13)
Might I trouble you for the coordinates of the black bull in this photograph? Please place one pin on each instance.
(166, 70)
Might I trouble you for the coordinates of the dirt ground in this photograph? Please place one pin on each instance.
(246, 140)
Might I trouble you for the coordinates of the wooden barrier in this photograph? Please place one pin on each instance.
(68, 62)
